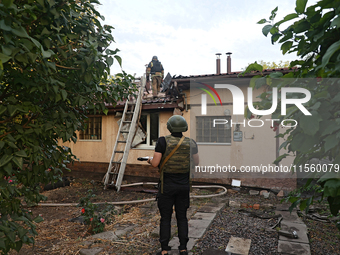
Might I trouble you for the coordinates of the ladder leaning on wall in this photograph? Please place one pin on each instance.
(126, 132)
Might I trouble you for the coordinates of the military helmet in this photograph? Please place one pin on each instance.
(177, 123)
(155, 57)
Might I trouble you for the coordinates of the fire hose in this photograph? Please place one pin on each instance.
(145, 200)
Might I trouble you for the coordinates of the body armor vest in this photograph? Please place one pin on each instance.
(156, 66)
(180, 161)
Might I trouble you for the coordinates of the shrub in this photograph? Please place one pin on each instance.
(93, 217)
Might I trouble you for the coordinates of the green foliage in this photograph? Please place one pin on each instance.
(295, 197)
(262, 65)
(95, 219)
(54, 71)
(314, 35)
(253, 67)
(274, 65)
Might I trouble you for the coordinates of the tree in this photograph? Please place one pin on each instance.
(54, 70)
(315, 37)
(272, 65)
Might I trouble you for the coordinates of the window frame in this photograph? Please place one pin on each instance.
(86, 122)
(213, 117)
(148, 144)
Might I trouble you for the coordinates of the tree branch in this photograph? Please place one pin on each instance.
(65, 67)
(30, 120)
(8, 120)
(3, 135)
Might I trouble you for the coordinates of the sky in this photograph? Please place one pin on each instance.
(186, 34)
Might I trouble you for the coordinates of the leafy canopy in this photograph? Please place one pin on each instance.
(54, 69)
(314, 35)
(270, 65)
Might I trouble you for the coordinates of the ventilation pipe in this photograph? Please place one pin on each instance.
(228, 62)
(218, 63)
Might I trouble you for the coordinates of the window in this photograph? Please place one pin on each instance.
(92, 130)
(150, 123)
(207, 133)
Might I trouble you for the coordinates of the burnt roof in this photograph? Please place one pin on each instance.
(149, 103)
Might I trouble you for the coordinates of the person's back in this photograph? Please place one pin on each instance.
(156, 70)
(156, 67)
(175, 155)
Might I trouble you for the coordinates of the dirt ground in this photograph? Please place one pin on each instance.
(57, 235)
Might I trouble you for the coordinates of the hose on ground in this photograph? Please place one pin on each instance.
(144, 200)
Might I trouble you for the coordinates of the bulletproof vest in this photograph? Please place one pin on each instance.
(180, 161)
(156, 66)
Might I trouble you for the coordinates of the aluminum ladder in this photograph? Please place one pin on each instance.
(125, 135)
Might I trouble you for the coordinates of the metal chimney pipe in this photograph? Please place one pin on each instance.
(218, 63)
(228, 62)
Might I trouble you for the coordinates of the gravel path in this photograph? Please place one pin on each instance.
(230, 222)
(324, 237)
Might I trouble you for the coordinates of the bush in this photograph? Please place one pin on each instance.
(96, 219)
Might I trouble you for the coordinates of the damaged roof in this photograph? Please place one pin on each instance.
(163, 101)
(172, 98)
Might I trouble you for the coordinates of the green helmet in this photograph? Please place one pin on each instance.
(177, 123)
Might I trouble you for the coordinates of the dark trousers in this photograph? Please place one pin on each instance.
(178, 197)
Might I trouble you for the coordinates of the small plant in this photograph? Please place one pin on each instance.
(93, 217)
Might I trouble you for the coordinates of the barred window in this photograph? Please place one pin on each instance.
(207, 133)
(92, 130)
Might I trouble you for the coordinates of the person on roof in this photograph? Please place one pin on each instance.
(156, 70)
(174, 155)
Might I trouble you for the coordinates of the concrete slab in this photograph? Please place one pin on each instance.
(234, 204)
(267, 206)
(220, 199)
(192, 210)
(239, 246)
(286, 247)
(211, 251)
(174, 243)
(211, 207)
(301, 230)
(122, 230)
(155, 232)
(291, 217)
(197, 228)
(173, 252)
(254, 192)
(198, 224)
(108, 235)
(203, 216)
(93, 251)
(281, 207)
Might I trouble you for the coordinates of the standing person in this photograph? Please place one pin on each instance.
(175, 155)
(157, 74)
